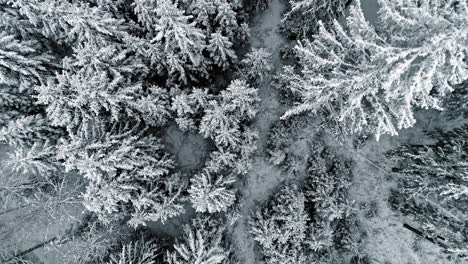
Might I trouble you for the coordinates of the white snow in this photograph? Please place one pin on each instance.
(263, 178)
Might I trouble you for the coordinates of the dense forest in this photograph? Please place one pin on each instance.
(233, 131)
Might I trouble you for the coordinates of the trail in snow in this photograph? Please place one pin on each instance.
(263, 178)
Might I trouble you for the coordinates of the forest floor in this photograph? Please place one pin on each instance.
(263, 177)
(386, 239)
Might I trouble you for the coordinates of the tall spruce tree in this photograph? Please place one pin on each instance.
(370, 78)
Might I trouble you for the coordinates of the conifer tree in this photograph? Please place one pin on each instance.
(220, 49)
(202, 243)
(139, 252)
(72, 22)
(256, 65)
(367, 81)
(174, 35)
(129, 173)
(211, 193)
(188, 107)
(24, 64)
(433, 187)
(102, 82)
(302, 19)
(28, 130)
(281, 226)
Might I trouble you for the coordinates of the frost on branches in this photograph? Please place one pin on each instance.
(367, 81)
(211, 193)
(303, 225)
(138, 252)
(280, 228)
(303, 17)
(202, 242)
(225, 122)
(71, 23)
(433, 187)
(98, 82)
(23, 64)
(129, 173)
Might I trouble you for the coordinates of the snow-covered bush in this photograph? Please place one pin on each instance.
(367, 81)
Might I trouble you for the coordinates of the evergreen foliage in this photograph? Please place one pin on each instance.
(139, 252)
(433, 187)
(303, 225)
(302, 20)
(202, 243)
(211, 193)
(367, 81)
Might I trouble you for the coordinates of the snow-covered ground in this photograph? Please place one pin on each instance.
(263, 178)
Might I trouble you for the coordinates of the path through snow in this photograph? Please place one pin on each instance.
(263, 178)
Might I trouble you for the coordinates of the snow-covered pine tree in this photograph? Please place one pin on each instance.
(102, 82)
(188, 107)
(24, 63)
(367, 81)
(223, 117)
(175, 37)
(72, 22)
(138, 252)
(27, 130)
(202, 243)
(36, 160)
(210, 192)
(302, 19)
(457, 103)
(204, 13)
(280, 227)
(88, 241)
(226, 18)
(221, 16)
(220, 49)
(433, 187)
(224, 121)
(129, 173)
(256, 66)
(326, 191)
(327, 185)
(240, 100)
(12, 22)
